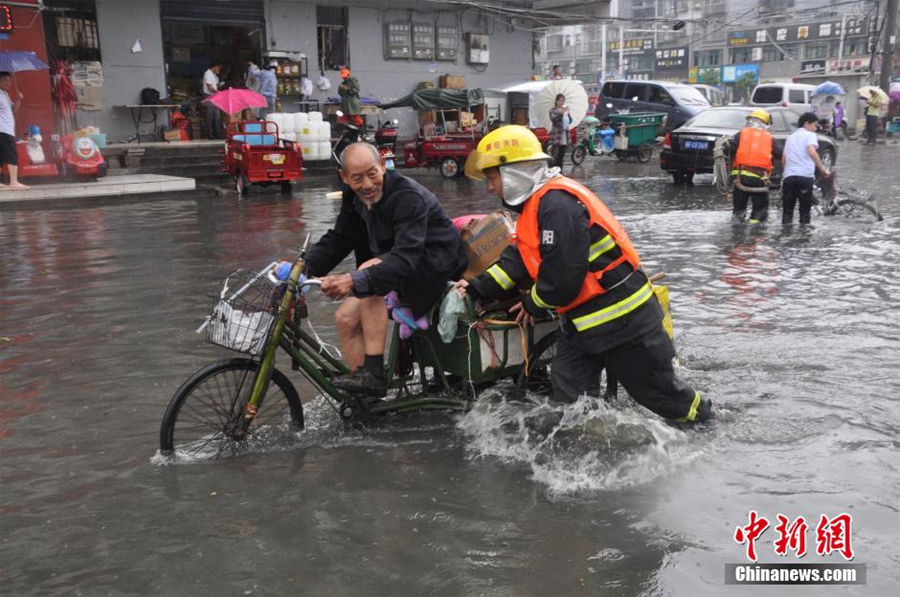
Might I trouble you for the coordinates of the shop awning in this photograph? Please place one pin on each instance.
(434, 99)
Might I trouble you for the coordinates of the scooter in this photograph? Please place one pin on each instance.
(599, 139)
(354, 134)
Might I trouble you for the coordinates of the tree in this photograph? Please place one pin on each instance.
(709, 76)
(743, 87)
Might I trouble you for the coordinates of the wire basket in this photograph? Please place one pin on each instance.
(242, 314)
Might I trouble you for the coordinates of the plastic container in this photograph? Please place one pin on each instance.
(287, 121)
(289, 136)
(315, 117)
(324, 131)
(309, 150)
(300, 119)
(324, 150)
(305, 133)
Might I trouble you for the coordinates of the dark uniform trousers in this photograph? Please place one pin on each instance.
(760, 201)
(644, 366)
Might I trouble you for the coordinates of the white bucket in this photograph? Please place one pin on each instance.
(324, 150)
(300, 119)
(315, 117)
(306, 133)
(287, 123)
(310, 151)
(324, 131)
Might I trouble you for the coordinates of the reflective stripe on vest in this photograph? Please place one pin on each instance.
(537, 300)
(754, 150)
(600, 247)
(500, 277)
(528, 238)
(607, 314)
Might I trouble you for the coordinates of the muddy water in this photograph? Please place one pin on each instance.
(793, 333)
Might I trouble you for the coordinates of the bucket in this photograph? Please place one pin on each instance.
(315, 117)
(310, 150)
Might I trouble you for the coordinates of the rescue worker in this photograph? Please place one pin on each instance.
(402, 240)
(752, 150)
(578, 262)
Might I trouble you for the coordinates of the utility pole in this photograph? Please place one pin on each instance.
(603, 54)
(887, 50)
(621, 53)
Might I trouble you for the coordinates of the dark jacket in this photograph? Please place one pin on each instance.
(407, 229)
(564, 264)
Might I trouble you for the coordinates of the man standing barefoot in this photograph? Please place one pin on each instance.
(8, 154)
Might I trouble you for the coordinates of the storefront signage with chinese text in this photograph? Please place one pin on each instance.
(855, 26)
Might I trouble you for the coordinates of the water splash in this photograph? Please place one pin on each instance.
(585, 446)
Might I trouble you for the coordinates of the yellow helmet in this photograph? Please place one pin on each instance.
(761, 115)
(506, 145)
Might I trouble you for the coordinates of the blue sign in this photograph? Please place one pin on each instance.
(733, 72)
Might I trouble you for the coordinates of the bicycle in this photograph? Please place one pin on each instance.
(240, 404)
(850, 199)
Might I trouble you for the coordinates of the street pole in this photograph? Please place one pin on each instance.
(603, 53)
(887, 50)
(655, 21)
(843, 35)
(621, 52)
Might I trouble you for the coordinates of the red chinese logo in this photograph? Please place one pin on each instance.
(791, 536)
(834, 535)
(750, 533)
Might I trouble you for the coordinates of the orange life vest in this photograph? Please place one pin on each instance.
(528, 236)
(755, 149)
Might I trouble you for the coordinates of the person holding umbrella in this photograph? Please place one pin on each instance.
(874, 100)
(9, 155)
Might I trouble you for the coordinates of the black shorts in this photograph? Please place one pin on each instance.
(8, 152)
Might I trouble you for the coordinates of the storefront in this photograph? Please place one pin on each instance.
(21, 29)
(195, 34)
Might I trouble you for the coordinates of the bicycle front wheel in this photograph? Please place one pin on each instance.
(205, 418)
(853, 208)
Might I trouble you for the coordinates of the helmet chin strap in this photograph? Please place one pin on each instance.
(523, 179)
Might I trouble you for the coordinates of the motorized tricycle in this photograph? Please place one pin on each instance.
(255, 155)
(624, 134)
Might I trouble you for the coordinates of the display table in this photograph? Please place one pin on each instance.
(137, 116)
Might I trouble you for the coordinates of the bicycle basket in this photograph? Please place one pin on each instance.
(242, 314)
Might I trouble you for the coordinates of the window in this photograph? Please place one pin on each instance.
(797, 96)
(658, 95)
(615, 90)
(855, 47)
(332, 36)
(767, 95)
(812, 51)
(72, 34)
(554, 43)
(635, 91)
(772, 54)
(740, 55)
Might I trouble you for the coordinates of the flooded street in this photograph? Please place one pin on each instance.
(793, 333)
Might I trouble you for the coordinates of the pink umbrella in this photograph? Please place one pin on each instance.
(232, 101)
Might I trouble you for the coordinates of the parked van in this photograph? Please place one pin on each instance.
(795, 96)
(713, 95)
(678, 101)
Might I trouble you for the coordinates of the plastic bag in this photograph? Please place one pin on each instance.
(452, 307)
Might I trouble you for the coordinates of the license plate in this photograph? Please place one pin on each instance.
(696, 144)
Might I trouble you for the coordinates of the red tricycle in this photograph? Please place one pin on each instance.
(254, 155)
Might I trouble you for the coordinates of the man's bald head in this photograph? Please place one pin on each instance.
(358, 152)
(362, 170)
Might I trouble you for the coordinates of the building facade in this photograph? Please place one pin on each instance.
(726, 43)
(391, 47)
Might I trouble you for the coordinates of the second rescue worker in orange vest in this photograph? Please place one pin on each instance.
(577, 261)
(753, 149)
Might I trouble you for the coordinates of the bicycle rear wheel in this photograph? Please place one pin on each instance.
(205, 417)
(853, 208)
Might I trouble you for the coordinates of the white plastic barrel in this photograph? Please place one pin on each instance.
(289, 136)
(306, 133)
(324, 131)
(276, 119)
(315, 117)
(287, 123)
(300, 119)
(310, 150)
(324, 150)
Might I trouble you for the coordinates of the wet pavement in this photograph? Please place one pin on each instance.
(793, 333)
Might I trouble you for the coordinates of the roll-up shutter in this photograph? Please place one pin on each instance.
(243, 12)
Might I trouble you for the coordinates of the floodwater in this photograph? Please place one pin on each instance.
(792, 333)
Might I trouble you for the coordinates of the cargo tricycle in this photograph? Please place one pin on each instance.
(625, 135)
(255, 155)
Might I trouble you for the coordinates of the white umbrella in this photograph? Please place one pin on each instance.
(869, 90)
(576, 101)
